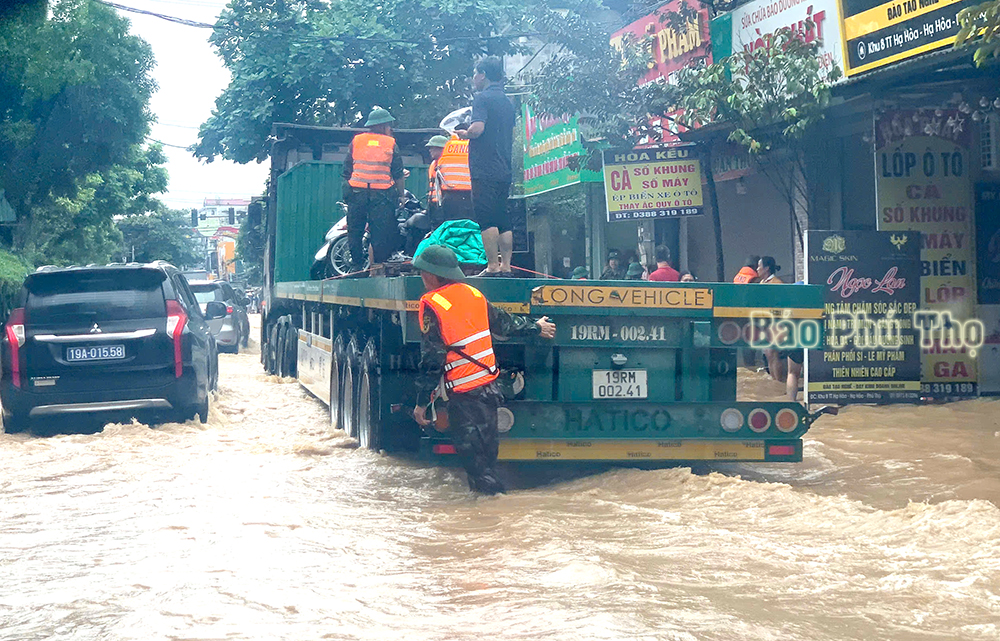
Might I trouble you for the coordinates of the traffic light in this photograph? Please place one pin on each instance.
(232, 216)
(194, 217)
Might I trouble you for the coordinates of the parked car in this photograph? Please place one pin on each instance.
(118, 340)
(233, 329)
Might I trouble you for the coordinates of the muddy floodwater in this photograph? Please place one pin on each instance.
(262, 524)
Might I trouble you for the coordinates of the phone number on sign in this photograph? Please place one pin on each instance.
(655, 213)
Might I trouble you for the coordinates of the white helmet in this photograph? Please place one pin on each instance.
(455, 118)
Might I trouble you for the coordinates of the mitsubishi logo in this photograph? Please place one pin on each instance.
(95, 329)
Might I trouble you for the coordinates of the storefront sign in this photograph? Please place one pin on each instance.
(815, 20)
(549, 145)
(922, 183)
(652, 183)
(872, 288)
(988, 242)
(878, 33)
(671, 50)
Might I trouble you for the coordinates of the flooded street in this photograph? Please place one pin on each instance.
(263, 525)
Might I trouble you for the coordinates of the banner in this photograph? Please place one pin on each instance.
(988, 243)
(652, 183)
(878, 33)
(922, 165)
(751, 23)
(549, 143)
(872, 288)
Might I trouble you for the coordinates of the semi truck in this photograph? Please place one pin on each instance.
(638, 371)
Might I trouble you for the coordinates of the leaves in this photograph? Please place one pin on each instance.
(980, 28)
(162, 235)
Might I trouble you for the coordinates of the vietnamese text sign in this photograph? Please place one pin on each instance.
(870, 278)
(988, 242)
(652, 183)
(878, 33)
(549, 143)
(922, 184)
(815, 20)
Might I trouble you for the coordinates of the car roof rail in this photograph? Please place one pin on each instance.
(48, 268)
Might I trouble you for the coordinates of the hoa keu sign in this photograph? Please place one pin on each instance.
(652, 183)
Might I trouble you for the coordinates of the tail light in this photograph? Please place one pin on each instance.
(731, 419)
(229, 309)
(786, 420)
(176, 319)
(15, 338)
(759, 420)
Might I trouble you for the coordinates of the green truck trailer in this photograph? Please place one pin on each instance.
(638, 371)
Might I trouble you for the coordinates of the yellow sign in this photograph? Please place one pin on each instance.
(652, 183)
(626, 297)
(629, 450)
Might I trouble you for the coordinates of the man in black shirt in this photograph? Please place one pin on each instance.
(490, 140)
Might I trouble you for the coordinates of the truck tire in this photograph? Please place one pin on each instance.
(290, 358)
(369, 400)
(349, 384)
(272, 350)
(336, 378)
(279, 348)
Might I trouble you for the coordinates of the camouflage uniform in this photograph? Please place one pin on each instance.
(472, 415)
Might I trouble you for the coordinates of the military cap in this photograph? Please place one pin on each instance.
(580, 273)
(437, 141)
(440, 261)
(379, 116)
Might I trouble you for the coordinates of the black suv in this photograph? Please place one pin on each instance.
(122, 340)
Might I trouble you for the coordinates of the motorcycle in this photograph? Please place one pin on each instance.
(334, 257)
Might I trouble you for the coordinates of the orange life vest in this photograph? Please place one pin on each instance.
(372, 157)
(432, 192)
(747, 275)
(464, 320)
(453, 166)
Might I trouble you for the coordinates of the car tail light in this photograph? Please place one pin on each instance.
(759, 420)
(444, 449)
(176, 319)
(15, 338)
(229, 309)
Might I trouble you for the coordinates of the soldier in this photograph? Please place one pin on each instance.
(453, 179)
(436, 147)
(373, 171)
(457, 322)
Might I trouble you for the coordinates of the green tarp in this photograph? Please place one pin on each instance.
(464, 238)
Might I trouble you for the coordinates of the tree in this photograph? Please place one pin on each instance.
(74, 95)
(328, 63)
(161, 235)
(250, 248)
(980, 27)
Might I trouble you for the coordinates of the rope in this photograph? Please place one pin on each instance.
(535, 273)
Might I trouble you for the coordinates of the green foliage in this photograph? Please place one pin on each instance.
(13, 269)
(161, 235)
(74, 94)
(980, 27)
(250, 250)
(328, 63)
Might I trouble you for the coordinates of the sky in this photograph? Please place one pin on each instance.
(190, 76)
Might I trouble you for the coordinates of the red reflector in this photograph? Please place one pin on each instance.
(229, 309)
(444, 449)
(781, 450)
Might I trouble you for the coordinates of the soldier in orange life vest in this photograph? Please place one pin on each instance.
(457, 348)
(748, 273)
(373, 175)
(454, 180)
(435, 147)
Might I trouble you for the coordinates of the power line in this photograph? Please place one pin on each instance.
(167, 144)
(183, 21)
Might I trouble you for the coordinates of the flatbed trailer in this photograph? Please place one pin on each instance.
(638, 371)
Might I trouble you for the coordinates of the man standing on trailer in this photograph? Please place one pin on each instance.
(373, 175)
(457, 347)
(490, 138)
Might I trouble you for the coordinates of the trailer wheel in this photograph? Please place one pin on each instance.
(349, 407)
(336, 377)
(272, 349)
(290, 351)
(369, 419)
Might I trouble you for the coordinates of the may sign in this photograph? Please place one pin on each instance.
(652, 183)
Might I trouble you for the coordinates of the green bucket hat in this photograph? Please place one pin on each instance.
(634, 269)
(580, 273)
(437, 141)
(440, 261)
(379, 116)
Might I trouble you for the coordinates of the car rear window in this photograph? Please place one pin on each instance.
(75, 296)
(206, 293)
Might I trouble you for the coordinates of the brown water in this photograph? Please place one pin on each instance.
(262, 525)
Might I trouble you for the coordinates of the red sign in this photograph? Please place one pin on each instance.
(671, 51)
